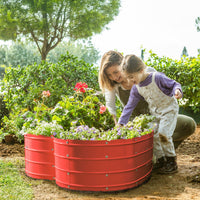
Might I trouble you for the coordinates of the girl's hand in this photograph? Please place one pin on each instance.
(118, 125)
(178, 94)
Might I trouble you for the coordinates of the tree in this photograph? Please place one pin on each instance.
(184, 52)
(83, 50)
(47, 22)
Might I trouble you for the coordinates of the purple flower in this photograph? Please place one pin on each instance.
(86, 128)
(118, 133)
(54, 133)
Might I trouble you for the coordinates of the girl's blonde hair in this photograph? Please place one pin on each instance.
(132, 63)
(109, 59)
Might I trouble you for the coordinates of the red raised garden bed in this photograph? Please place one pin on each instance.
(39, 156)
(103, 165)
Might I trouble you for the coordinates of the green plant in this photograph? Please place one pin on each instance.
(42, 112)
(83, 108)
(3, 110)
(8, 128)
(43, 128)
(138, 127)
(21, 85)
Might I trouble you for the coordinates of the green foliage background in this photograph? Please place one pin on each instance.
(186, 71)
(21, 85)
(26, 53)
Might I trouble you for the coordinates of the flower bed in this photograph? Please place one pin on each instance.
(103, 165)
(90, 153)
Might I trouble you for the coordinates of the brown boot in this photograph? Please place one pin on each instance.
(159, 163)
(170, 166)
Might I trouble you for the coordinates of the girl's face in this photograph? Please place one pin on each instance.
(114, 73)
(135, 78)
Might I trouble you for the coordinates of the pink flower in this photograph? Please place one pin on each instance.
(80, 87)
(46, 93)
(102, 109)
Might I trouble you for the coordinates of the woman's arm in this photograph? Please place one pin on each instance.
(110, 96)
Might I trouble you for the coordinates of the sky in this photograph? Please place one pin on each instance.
(163, 26)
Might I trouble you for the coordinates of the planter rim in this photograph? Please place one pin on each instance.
(32, 135)
(104, 142)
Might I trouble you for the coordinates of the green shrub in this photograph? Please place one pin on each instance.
(83, 109)
(2, 71)
(22, 85)
(3, 110)
(186, 71)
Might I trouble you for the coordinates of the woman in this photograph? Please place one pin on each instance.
(113, 83)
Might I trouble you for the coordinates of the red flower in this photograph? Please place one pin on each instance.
(80, 87)
(82, 90)
(46, 93)
(102, 109)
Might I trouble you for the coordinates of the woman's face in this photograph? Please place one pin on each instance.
(114, 73)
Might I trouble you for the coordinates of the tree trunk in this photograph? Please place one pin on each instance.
(44, 56)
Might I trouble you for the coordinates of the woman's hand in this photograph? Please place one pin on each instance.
(178, 94)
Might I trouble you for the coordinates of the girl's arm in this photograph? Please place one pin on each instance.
(167, 85)
(133, 100)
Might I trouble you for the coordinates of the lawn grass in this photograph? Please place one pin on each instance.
(12, 184)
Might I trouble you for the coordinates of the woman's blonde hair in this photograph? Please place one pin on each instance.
(109, 59)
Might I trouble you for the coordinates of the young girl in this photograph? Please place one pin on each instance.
(161, 93)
